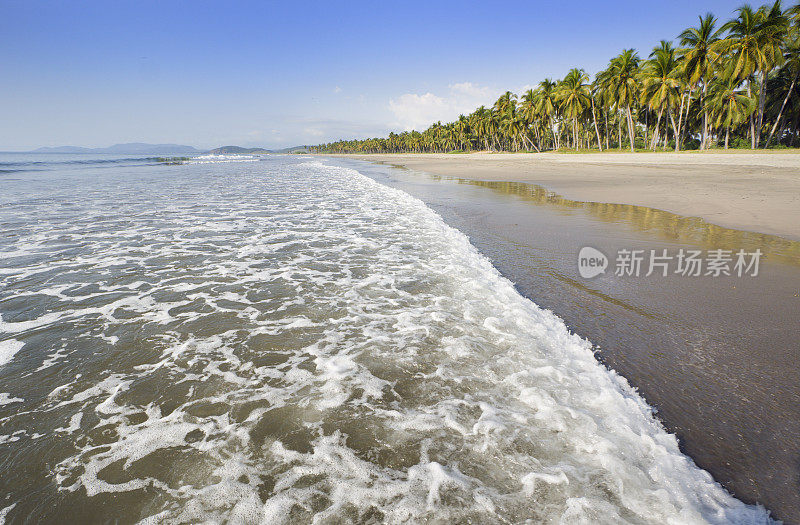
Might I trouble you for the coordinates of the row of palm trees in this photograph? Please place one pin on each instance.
(732, 81)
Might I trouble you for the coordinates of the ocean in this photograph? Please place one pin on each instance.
(283, 339)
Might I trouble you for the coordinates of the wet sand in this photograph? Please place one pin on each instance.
(757, 192)
(716, 357)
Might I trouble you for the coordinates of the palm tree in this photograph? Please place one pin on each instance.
(574, 97)
(449, 137)
(792, 64)
(743, 51)
(773, 28)
(661, 85)
(527, 111)
(622, 73)
(729, 105)
(527, 105)
(753, 43)
(592, 95)
(504, 110)
(492, 124)
(700, 53)
(462, 127)
(547, 106)
(506, 102)
(604, 89)
(480, 123)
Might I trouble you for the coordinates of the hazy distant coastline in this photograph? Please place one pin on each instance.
(142, 148)
(132, 148)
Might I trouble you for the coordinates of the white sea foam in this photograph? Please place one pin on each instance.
(305, 344)
(7, 399)
(214, 159)
(8, 349)
(4, 512)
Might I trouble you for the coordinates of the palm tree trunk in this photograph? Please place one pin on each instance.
(782, 126)
(533, 145)
(575, 132)
(675, 129)
(605, 128)
(646, 128)
(630, 127)
(704, 133)
(727, 135)
(654, 143)
(780, 113)
(752, 124)
(762, 97)
(679, 130)
(596, 129)
(619, 130)
(686, 121)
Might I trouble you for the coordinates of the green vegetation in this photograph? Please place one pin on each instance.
(238, 150)
(732, 85)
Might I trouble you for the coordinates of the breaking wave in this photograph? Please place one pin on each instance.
(214, 159)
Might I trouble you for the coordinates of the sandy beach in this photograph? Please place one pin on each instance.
(747, 191)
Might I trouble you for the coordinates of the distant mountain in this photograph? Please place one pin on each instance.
(62, 149)
(237, 150)
(132, 148)
(293, 149)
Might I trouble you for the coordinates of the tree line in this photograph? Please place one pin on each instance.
(724, 84)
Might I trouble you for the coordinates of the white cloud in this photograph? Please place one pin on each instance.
(337, 89)
(414, 111)
(470, 92)
(418, 111)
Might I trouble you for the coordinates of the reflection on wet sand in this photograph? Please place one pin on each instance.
(664, 224)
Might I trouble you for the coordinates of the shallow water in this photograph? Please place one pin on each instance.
(285, 340)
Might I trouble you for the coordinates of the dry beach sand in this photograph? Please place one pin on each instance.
(747, 191)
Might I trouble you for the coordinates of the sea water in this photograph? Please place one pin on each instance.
(284, 340)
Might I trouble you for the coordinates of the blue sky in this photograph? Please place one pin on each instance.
(284, 73)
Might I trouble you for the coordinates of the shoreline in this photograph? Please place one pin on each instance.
(685, 344)
(758, 192)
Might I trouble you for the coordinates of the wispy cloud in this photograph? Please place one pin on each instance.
(418, 111)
